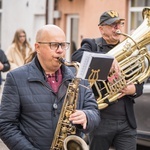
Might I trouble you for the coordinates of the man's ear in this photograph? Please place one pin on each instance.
(36, 47)
(100, 28)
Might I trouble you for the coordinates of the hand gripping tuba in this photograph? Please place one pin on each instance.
(134, 62)
(64, 137)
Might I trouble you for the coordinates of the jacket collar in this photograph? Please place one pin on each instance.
(36, 72)
(102, 46)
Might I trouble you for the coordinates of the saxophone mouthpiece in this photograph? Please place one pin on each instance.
(61, 60)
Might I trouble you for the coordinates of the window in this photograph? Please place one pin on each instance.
(135, 20)
(72, 22)
(135, 15)
(139, 3)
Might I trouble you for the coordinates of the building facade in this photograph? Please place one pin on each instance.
(78, 18)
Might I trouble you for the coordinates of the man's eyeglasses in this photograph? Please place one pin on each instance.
(115, 24)
(55, 45)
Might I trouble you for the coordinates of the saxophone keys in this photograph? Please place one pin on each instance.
(64, 129)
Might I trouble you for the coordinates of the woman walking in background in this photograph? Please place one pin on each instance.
(19, 50)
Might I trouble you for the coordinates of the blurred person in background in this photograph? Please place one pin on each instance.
(19, 50)
(4, 64)
(31, 56)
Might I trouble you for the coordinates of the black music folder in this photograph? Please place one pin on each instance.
(95, 64)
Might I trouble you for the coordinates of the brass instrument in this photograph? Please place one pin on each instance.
(64, 137)
(134, 62)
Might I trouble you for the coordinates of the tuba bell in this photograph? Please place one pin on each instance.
(134, 61)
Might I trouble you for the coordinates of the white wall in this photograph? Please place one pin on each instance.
(26, 14)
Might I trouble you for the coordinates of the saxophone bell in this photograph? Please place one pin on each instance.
(74, 142)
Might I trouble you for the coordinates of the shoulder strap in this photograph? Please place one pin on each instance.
(91, 42)
(98, 42)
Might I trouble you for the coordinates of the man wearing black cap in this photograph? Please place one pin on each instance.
(118, 125)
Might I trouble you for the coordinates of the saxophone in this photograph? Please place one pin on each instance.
(133, 58)
(64, 137)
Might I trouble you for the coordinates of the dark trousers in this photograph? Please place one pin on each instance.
(113, 132)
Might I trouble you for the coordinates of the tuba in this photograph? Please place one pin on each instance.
(134, 61)
(64, 137)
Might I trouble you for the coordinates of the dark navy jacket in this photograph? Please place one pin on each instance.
(27, 118)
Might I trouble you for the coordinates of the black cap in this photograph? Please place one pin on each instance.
(109, 17)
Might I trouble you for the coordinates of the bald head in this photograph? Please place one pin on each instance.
(47, 39)
(51, 30)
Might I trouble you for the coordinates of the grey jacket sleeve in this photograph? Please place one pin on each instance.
(89, 105)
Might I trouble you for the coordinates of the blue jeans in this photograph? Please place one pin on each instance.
(113, 132)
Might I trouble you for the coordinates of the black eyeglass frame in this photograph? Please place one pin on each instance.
(121, 23)
(56, 45)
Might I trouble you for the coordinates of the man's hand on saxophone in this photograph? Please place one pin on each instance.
(79, 117)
